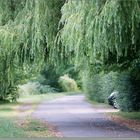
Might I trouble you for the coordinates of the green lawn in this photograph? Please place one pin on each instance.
(129, 115)
(8, 128)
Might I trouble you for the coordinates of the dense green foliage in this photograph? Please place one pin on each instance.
(129, 88)
(52, 74)
(27, 31)
(98, 32)
(100, 86)
(67, 84)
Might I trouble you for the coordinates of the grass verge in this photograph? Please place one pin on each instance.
(37, 128)
(9, 129)
(128, 115)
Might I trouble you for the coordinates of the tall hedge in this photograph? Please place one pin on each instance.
(100, 86)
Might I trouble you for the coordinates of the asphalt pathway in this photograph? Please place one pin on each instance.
(73, 116)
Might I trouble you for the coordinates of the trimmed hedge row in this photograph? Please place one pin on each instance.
(129, 92)
(100, 86)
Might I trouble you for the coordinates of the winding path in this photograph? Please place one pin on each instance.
(73, 116)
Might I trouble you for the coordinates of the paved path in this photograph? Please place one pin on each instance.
(74, 117)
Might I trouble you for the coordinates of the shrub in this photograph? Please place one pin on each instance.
(99, 86)
(35, 88)
(93, 88)
(28, 88)
(14, 96)
(67, 84)
(129, 94)
(108, 84)
(50, 74)
(46, 89)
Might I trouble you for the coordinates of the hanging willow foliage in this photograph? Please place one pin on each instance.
(27, 30)
(97, 30)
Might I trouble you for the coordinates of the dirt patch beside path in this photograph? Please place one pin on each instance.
(38, 128)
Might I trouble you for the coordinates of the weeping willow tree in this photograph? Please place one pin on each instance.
(100, 32)
(27, 30)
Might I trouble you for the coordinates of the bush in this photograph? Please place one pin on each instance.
(50, 75)
(46, 89)
(100, 86)
(129, 94)
(35, 88)
(108, 84)
(28, 88)
(67, 84)
(93, 87)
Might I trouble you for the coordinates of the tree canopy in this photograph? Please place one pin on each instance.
(27, 30)
(101, 31)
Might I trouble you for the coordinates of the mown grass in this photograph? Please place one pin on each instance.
(129, 115)
(9, 129)
(9, 115)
